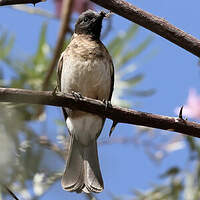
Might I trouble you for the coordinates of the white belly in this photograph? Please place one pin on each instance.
(85, 128)
(91, 79)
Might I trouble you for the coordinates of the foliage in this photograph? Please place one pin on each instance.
(22, 132)
(17, 135)
(125, 79)
(180, 183)
(22, 138)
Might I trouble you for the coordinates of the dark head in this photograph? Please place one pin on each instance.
(90, 23)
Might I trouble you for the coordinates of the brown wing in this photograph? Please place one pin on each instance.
(59, 68)
(59, 72)
(112, 80)
(104, 49)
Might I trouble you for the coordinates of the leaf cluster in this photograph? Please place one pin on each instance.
(25, 133)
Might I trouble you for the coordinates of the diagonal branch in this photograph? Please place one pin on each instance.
(11, 193)
(47, 143)
(34, 11)
(115, 113)
(14, 2)
(153, 23)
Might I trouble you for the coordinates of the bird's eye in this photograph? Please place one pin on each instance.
(86, 19)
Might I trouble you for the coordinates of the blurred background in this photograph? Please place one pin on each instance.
(152, 75)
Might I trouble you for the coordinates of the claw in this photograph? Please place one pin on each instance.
(77, 95)
(107, 104)
(54, 92)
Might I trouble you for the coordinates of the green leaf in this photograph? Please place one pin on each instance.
(135, 52)
(6, 44)
(65, 44)
(118, 43)
(143, 93)
(170, 172)
(60, 123)
(3, 38)
(134, 80)
(191, 142)
(42, 41)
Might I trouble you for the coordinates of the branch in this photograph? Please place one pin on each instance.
(153, 23)
(47, 143)
(66, 13)
(34, 11)
(115, 113)
(14, 2)
(11, 193)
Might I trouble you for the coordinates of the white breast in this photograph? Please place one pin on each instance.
(92, 78)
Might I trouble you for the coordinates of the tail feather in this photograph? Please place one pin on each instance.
(82, 172)
(92, 173)
(72, 179)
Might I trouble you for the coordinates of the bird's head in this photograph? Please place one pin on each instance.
(90, 23)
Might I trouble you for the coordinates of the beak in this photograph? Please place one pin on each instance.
(100, 17)
(103, 14)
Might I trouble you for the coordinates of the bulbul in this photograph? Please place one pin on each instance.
(85, 67)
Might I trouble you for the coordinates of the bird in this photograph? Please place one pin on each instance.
(85, 68)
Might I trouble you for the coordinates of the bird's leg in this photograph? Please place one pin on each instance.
(55, 90)
(114, 124)
(77, 95)
(107, 104)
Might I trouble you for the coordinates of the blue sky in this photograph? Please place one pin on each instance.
(172, 72)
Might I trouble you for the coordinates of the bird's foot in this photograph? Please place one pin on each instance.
(114, 124)
(54, 92)
(107, 104)
(77, 95)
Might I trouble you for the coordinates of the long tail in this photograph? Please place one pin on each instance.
(82, 172)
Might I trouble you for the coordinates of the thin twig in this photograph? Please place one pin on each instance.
(117, 140)
(14, 2)
(66, 14)
(34, 11)
(90, 196)
(47, 143)
(153, 23)
(10, 192)
(115, 113)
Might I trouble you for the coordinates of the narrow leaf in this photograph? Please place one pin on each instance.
(135, 79)
(118, 43)
(135, 52)
(42, 40)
